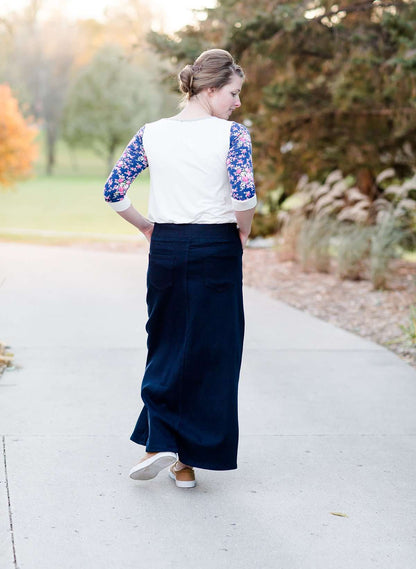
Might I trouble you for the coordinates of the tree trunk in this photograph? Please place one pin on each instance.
(50, 148)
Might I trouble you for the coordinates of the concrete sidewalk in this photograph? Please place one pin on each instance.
(327, 424)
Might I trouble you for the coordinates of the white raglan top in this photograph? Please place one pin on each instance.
(200, 170)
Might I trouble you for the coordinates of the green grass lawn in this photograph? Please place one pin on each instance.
(69, 201)
(73, 204)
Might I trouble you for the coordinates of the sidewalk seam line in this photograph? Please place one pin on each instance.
(9, 503)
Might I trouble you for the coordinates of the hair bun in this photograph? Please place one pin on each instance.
(185, 79)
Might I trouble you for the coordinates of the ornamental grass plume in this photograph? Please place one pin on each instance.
(314, 244)
(385, 241)
(353, 249)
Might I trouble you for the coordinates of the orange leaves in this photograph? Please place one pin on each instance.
(17, 147)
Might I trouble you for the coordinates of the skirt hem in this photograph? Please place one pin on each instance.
(189, 462)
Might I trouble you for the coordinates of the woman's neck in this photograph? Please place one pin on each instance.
(194, 109)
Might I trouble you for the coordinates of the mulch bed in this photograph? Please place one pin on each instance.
(352, 305)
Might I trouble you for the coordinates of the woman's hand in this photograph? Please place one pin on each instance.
(243, 239)
(244, 219)
(135, 218)
(148, 232)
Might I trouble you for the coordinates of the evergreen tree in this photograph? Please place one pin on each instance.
(329, 84)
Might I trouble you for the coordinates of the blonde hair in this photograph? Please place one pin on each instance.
(213, 68)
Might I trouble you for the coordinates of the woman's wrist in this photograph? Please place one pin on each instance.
(146, 226)
(137, 219)
(148, 230)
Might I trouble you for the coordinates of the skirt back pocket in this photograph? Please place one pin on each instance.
(221, 272)
(160, 271)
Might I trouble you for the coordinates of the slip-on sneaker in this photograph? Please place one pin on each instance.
(150, 467)
(184, 477)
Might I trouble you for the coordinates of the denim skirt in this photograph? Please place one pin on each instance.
(195, 332)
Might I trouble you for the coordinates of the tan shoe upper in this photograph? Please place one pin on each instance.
(184, 474)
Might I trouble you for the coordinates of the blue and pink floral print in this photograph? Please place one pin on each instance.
(128, 167)
(239, 163)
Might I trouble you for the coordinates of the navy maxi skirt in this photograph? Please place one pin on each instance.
(195, 332)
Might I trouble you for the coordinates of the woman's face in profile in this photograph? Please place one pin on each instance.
(226, 99)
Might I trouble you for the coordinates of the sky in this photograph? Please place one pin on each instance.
(178, 13)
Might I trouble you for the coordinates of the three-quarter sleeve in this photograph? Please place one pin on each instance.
(127, 168)
(240, 168)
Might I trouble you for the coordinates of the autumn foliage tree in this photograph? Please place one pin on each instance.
(18, 149)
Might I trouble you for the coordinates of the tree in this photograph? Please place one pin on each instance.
(37, 63)
(17, 148)
(330, 84)
(42, 53)
(108, 102)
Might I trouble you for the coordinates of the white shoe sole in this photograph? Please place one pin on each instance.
(182, 483)
(151, 467)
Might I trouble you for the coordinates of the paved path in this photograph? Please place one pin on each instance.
(327, 424)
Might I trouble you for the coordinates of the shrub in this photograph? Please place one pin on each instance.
(385, 242)
(291, 229)
(314, 244)
(353, 249)
(264, 225)
(410, 330)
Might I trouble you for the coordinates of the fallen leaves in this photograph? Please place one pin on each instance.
(6, 357)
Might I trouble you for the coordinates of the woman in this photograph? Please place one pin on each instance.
(201, 205)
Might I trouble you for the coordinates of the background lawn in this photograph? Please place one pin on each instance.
(70, 201)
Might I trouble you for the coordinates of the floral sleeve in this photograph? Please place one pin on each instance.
(128, 167)
(240, 168)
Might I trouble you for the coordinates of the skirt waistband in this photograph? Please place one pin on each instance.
(197, 230)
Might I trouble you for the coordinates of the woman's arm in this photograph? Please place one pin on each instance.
(244, 219)
(241, 177)
(135, 218)
(128, 167)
